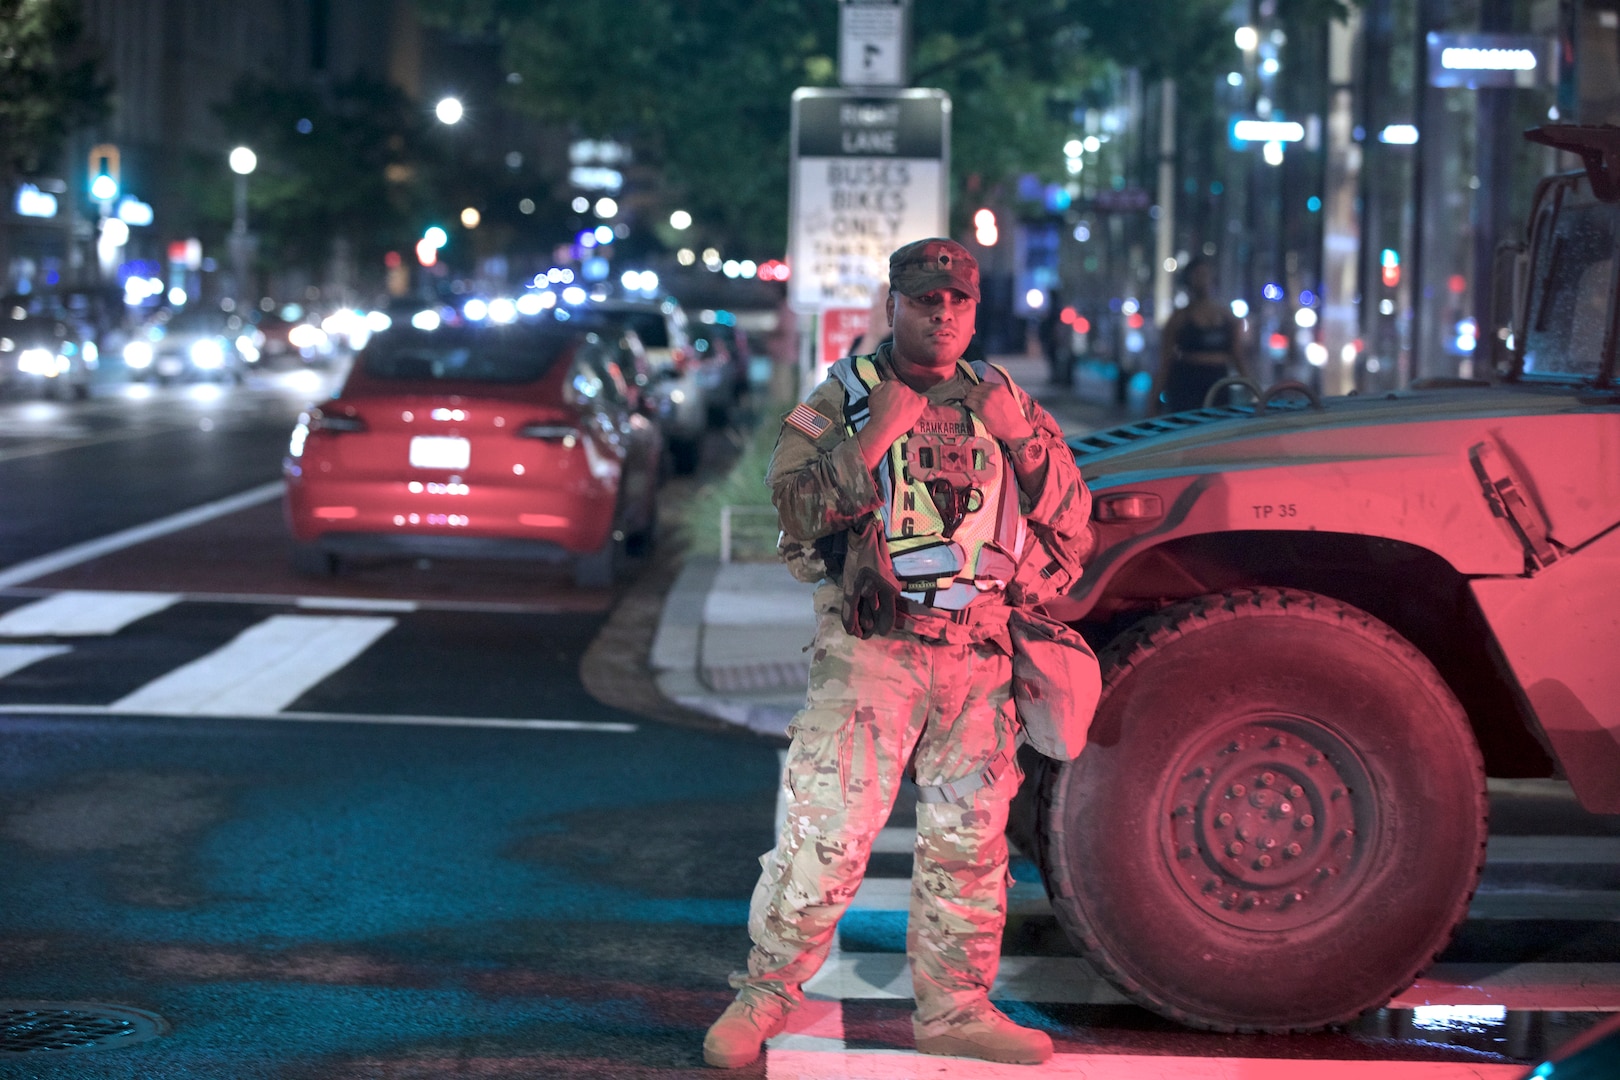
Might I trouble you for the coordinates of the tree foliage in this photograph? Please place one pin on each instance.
(700, 88)
(349, 164)
(50, 83)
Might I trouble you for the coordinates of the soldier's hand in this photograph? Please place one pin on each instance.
(995, 404)
(895, 409)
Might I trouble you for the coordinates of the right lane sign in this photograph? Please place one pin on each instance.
(870, 172)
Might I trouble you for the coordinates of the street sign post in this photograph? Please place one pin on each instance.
(872, 42)
(870, 172)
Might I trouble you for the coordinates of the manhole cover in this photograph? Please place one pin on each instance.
(33, 1026)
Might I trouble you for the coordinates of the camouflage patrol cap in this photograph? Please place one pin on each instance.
(936, 263)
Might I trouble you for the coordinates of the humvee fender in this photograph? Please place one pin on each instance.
(1321, 628)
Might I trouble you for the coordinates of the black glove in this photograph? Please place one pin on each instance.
(869, 606)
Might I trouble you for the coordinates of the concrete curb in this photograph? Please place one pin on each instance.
(677, 651)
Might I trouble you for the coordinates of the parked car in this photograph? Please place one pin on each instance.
(499, 441)
(718, 339)
(44, 355)
(1323, 622)
(683, 378)
(194, 344)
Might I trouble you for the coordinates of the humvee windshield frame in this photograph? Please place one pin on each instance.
(1567, 322)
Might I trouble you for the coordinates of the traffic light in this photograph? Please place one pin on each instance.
(1391, 263)
(103, 172)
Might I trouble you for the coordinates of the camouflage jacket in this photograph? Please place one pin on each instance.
(821, 486)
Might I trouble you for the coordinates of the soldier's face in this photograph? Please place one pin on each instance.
(933, 329)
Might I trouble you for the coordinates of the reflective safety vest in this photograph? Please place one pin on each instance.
(950, 502)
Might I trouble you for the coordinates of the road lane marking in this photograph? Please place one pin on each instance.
(355, 603)
(263, 669)
(99, 711)
(83, 613)
(139, 534)
(1532, 987)
(14, 658)
(1565, 850)
(908, 1065)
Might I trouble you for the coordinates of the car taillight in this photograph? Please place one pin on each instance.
(335, 423)
(563, 433)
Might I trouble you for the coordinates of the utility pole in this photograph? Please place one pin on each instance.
(1165, 241)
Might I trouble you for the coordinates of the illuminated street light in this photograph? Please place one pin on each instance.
(243, 161)
(449, 110)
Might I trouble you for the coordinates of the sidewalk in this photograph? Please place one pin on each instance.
(733, 640)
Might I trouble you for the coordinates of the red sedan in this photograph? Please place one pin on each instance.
(487, 441)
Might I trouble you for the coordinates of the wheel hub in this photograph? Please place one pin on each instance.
(1266, 822)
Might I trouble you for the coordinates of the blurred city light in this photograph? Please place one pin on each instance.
(1082, 232)
(680, 220)
(436, 236)
(606, 207)
(1304, 318)
(1129, 306)
(532, 303)
(1234, 78)
(1246, 37)
(427, 319)
(470, 217)
(525, 206)
(1272, 291)
(502, 310)
(1270, 65)
(177, 297)
(1034, 298)
(747, 268)
(243, 161)
(1273, 153)
(580, 204)
(686, 256)
(475, 310)
(1093, 144)
(449, 110)
(104, 187)
(1073, 148)
(1399, 135)
(604, 234)
(573, 295)
(1316, 354)
(1466, 59)
(984, 228)
(1268, 131)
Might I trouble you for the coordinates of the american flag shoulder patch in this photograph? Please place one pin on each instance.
(808, 421)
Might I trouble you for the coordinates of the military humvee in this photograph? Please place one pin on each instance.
(1323, 624)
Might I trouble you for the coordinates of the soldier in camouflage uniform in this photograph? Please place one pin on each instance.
(899, 682)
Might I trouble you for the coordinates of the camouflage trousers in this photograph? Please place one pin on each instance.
(872, 707)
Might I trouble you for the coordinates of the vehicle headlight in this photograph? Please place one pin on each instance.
(307, 336)
(248, 348)
(91, 354)
(138, 354)
(36, 362)
(207, 353)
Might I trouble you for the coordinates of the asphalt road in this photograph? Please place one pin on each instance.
(378, 826)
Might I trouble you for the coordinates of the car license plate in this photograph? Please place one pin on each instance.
(440, 452)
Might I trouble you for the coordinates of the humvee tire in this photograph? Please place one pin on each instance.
(1279, 817)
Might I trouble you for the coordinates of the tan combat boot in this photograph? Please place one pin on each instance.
(736, 1038)
(990, 1036)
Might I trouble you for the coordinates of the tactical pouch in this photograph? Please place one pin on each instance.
(1055, 681)
(870, 588)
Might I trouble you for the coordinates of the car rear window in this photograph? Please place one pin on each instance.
(648, 325)
(452, 355)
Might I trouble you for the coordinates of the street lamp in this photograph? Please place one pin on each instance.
(448, 110)
(243, 161)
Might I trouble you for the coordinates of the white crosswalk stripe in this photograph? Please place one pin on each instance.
(82, 613)
(14, 658)
(266, 668)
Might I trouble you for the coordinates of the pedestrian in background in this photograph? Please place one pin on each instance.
(927, 497)
(1200, 345)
